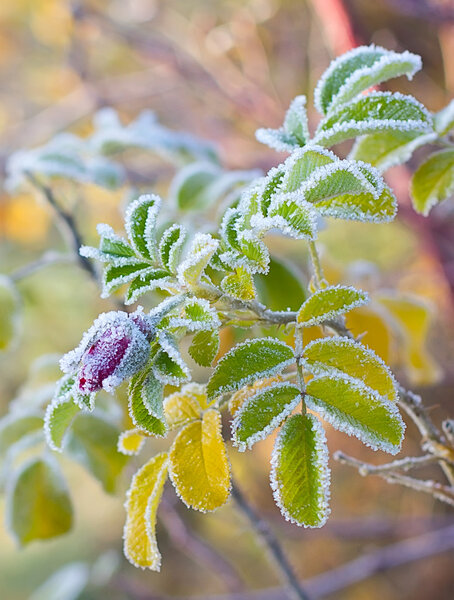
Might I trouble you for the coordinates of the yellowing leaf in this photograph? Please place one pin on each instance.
(182, 407)
(130, 442)
(371, 324)
(329, 303)
(238, 398)
(144, 494)
(239, 285)
(199, 467)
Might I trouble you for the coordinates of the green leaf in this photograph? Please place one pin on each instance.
(199, 255)
(140, 224)
(352, 407)
(116, 276)
(378, 111)
(197, 315)
(328, 356)
(299, 471)
(92, 441)
(171, 245)
(190, 185)
(444, 119)
(262, 412)
(385, 149)
(204, 347)
(38, 503)
(247, 362)
(9, 312)
(361, 207)
(294, 132)
(281, 288)
(113, 245)
(146, 395)
(143, 497)
(433, 181)
(292, 215)
(60, 413)
(16, 425)
(302, 163)
(239, 285)
(156, 279)
(199, 467)
(329, 303)
(358, 70)
(168, 365)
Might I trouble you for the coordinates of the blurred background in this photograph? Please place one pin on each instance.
(221, 69)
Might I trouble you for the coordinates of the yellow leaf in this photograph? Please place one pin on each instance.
(413, 318)
(371, 324)
(144, 494)
(199, 467)
(185, 406)
(236, 401)
(130, 442)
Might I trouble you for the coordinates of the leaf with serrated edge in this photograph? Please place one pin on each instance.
(361, 207)
(143, 497)
(262, 412)
(329, 303)
(359, 69)
(204, 347)
(131, 442)
(294, 132)
(145, 403)
(247, 362)
(239, 285)
(341, 354)
(181, 408)
(38, 505)
(199, 255)
(168, 365)
(433, 181)
(300, 475)
(156, 279)
(302, 163)
(199, 467)
(354, 408)
(197, 315)
(60, 413)
(237, 399)
(378, 111)
(171, 245)
(444, 119)
(140, 224)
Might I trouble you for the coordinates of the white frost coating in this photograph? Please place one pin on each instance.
(358, 430)
(321, 451)
(163, 283)
(119, 325)
(206, 320)
(199, 254)
(168, 346)
(284, 138)
(298, 154)
(125, 434)
(362, 298)
(108, 287)
(333, 343)
(175, 248)
(150, 222)
(157, 313)
(388, 58)
(369, 125)
(238, 259)
(277, 139)
(275, 421)
(54, 404)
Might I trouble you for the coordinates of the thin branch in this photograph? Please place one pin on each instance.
(295, 589)
(403, 464)
(47, 259)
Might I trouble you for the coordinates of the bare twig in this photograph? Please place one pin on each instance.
(48, 258)
(295, 588)
(403, 464)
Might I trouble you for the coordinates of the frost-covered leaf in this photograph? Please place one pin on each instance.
(154, 279)
(329, 303)
(199, 255)
(361, 207)
(146, 394)
(16, 425)
(239, 285)
(116, 276)
(444, 119)
(92, 441)
(262, 412)
(281, 288)
(294, 132)
(171, 246)
(247, 362)
(168, 365)
(140, 224)
(204, 347)
(291, 215)
(299, 471)
(183, 407)
(38, 505)
(199, 467)
(189, 187)
(385, 149)
(302, 163)
(197, 315)
(340, 354)
(357, 70)
(131, 442)
(112, 245)
(433, 181)
(143, 497)
(237, 399)
(9, 312)
(252, 254)
(356, 409)
(60, 413)
(379, 111)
